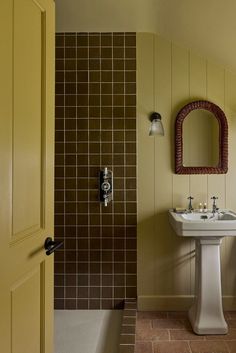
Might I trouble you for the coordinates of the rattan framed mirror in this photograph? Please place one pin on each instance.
(202, 111)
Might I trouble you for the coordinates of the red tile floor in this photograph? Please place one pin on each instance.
(170, 332)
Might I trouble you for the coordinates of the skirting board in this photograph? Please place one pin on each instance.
(177, 303)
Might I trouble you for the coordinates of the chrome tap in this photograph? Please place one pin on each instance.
(214, 207)
(190, 207)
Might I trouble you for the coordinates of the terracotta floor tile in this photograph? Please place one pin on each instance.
(231, 323)
(227, 314)
(152, 315)
(147, 334)
(177, 314)
(170, 332)
(230, 314)
(184, 335)
(208, 347)
(231, 346)
(171, 323)
(143, 347)
(231, 335)
(145, 323)
(171, 347)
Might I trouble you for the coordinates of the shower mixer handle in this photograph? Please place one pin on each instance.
(106, 186)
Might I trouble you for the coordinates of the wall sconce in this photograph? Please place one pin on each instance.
(156, 127)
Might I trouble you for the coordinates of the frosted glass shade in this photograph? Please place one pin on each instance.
(156, 128)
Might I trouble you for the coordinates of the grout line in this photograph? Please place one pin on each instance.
(152, 342)
(124, 190)
(76, 185)
(100, 152)
(88, 194)
(64, 173)
(112, 151)
(190, 350)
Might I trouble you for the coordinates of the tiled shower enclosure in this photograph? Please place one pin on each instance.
(95, 128)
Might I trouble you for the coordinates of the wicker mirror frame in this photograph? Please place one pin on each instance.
(222, 166)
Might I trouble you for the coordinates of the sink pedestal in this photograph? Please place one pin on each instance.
(206, 314)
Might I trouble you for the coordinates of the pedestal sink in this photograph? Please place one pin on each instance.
(208, 229)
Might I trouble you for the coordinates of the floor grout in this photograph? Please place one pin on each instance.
(190, 349)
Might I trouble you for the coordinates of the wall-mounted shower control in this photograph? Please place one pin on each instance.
(106, 186)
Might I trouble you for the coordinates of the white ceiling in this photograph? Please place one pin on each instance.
(206, 26)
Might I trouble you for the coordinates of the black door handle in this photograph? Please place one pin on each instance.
(50, 245)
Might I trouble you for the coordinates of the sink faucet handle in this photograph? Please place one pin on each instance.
(214, 198)
(214, 207)
(190, 207)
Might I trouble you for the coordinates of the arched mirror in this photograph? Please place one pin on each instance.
(201, 139)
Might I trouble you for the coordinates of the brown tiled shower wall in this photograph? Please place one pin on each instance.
(95, 128)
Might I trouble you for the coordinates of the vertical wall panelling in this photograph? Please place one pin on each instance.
(216, 183)
(181, 184)
(162, 165)
(216, 93)
(230, 245)
(197, 89)
(198, 182)
(145, 56)
(95, 128)
(166, 262)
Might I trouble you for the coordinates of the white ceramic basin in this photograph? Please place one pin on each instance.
(198, 224)
(196, 216)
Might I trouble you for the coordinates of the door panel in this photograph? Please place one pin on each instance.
(26, 175)
(26, 313)
(27, 143)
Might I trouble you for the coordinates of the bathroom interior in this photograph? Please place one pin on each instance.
(123, 69)
(132, 177)
(121, 73)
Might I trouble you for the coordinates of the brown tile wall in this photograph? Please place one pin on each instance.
(95, 128)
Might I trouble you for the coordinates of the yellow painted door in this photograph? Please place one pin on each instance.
(26, 175)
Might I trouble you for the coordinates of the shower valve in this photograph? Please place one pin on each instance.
(106, 186)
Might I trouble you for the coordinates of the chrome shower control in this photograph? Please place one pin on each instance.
(106, 186)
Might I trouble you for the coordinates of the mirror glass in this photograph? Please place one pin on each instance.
(200, 139)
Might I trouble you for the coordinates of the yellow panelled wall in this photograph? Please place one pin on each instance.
(168, 77)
